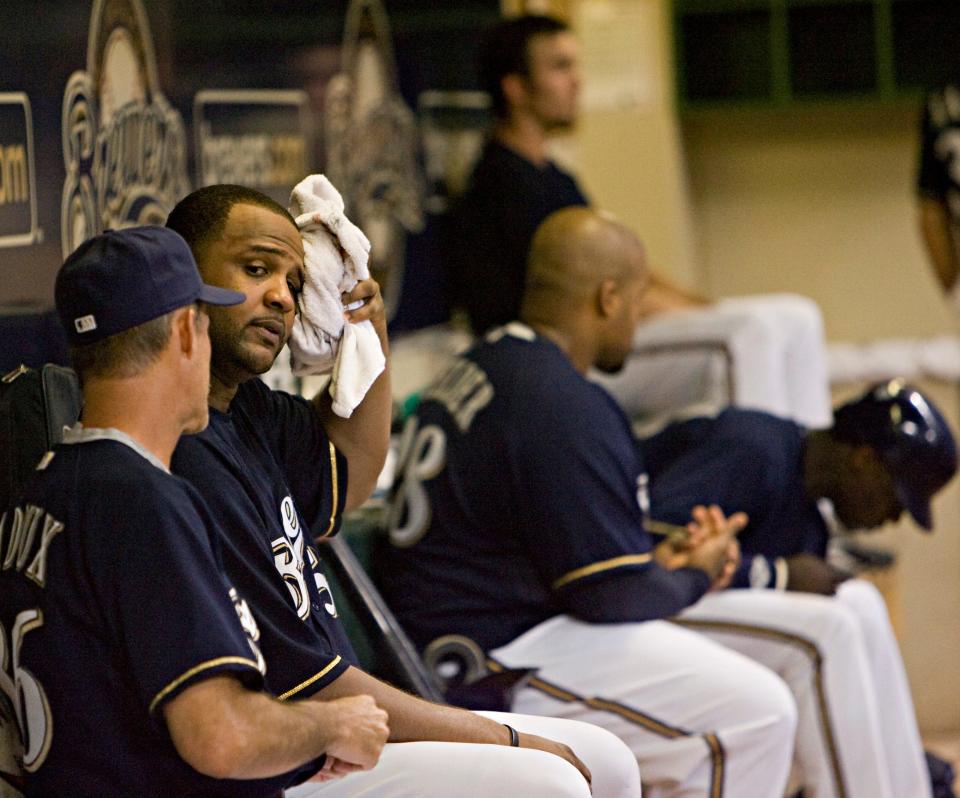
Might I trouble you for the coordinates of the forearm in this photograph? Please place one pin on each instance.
(414, 719)
(635, 596)
(364, 438)
(664, 295)
(938, 236)
(237, 733)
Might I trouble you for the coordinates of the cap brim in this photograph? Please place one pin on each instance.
(219, 296)
(918, 506)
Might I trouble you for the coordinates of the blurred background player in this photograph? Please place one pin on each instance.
(529, 66)
(938, 186)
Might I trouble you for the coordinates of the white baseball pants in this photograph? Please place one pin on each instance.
(464, 770)
(857, 735)
(701, 719)
(777, 361)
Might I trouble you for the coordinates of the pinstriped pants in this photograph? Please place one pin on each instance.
(702, 720)
(857, 735)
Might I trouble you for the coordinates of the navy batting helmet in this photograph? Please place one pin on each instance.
(910, 435)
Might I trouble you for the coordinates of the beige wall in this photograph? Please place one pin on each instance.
(628, 155)
(819, 202)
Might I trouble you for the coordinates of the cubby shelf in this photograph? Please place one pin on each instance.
(778, 53)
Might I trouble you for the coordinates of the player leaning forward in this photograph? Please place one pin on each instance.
(136, 668)
(271, 466)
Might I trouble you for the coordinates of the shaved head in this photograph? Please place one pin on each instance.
(574, 251)
(586, 276)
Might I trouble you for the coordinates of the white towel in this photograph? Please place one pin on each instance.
(336, 253)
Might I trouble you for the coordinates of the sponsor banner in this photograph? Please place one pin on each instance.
(18, 193)
(257, 138)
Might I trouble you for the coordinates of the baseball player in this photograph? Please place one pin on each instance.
(529, 65)
(938, 186)
(272, 466)
(518, 523)
(888, 450)
(131, 662)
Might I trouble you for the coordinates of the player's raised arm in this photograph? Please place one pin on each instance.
(364, 437)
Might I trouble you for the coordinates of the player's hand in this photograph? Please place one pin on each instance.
(710, 521)
(558, 749)
(358, 732)
(723, 581)
(807, 573)
(368, 292)
(715, 534)
(670, 556)
(333, 768)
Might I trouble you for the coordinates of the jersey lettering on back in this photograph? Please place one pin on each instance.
(463, 391)
(19, 540)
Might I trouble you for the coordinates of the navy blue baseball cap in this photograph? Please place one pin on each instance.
(911, 436)
(123, 278)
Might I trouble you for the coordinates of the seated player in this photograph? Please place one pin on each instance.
(887, 451)
(529, 65)
(518, 523)
(274, 466)
(131, 660)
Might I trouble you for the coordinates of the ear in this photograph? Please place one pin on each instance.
(514, 87)
(185, 330)
(609, 298)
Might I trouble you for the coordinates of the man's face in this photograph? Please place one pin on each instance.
(866, 497)
(261, 254)
(553, 85)
(617, 340)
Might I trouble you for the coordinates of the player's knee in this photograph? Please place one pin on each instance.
(774, 704)
(837, 628)
(614, 766)
(861, 596)
(539, 774)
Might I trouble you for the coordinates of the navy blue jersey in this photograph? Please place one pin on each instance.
(112, 601)
(939, 170)
(741, 460)
(269, 475)
(517, 501)
(492, 226)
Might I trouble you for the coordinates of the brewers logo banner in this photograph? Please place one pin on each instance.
(124, 147)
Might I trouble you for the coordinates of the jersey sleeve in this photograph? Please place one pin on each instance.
(576, 469)
(932, 178)
(314, 468)
(164, 597)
